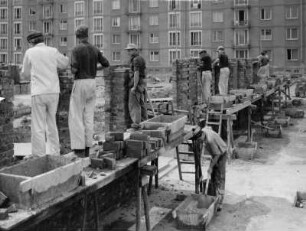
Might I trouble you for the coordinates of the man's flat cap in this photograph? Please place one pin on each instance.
(131, 46)
(202, 51)
(220, 48)
(82, 32)
(34, 35)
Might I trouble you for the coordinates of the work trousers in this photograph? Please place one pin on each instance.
(81, 113)
(43, 125)
(206, 85)
(137, 107)
(223, 81)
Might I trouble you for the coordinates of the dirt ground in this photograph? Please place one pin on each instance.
(259, 193)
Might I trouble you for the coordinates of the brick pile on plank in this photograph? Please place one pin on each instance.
(6, 119)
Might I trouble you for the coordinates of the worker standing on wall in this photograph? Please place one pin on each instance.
(205, 69)
(263, 61)
(217, 149)
(84, 60)
(138, 87)
(223, 62)
(40, 64)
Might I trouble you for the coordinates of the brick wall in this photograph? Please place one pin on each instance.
(6, 118)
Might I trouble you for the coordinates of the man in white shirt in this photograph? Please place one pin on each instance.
(40, 64)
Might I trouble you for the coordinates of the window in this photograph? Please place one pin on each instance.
(63, 8)
(241, 2)
(195, 19)
(174, 4)
(116, 56)
(134, 38)
(153, 3)
(174, 20)
(98, 24)
(115, 4)
(292, 54)
(17, 12)
(3, 43)
(17, 44)
(3, 57)
(154, 56)
(116, 22)
(217, 16)
(63, 24)
(195, 4)
(174, 55)
(266, 34)
(63, 41)
(196, 38)
(17, 58)
(79, 9)
(134, 23)
(153, 20)
(3, 2)
(47, 27)
(32, 25)
(292, 12)
(154, 38)
(17, 28)
(241, 17)
(116, 39)
(265, 14)
(47, 11)
(98, 40)
(48, 41)
(217, 36)
(174, 38)
(242, 54)
(98, 7)
(3, 13)
(17, 2)
(79, 22)
(134, 6)
(194, 53)
(32, 11)
(3, 28)
(242, 37)
(292, 34)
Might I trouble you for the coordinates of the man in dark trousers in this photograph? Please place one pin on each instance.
(138, 91)
(217, 149)
(84, 60)
(206, 76)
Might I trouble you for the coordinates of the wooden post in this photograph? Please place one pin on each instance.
(138, 203)
(146, 206)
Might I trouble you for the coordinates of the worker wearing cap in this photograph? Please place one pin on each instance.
(206, 76)
(223, 63)
(217, 149)
(40, 64)
(84, 64)
(138, 91)
(263, 61)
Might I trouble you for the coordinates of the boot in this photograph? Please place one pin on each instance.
(87, 149)
(79, 152)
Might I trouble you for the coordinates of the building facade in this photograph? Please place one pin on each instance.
(164, 30)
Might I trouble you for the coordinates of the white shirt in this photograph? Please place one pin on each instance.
(40, 63)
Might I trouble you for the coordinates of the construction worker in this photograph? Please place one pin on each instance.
(223, 63)
(84, 60)
(217, 149)
(40, 64)
(263, 61)
(138, 91)
(205, 69)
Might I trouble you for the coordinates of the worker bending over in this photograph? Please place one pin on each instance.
(217, 149)
(84, 60)
(206, 76)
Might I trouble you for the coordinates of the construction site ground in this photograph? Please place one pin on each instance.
(259, 193)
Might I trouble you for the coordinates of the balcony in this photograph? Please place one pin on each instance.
(133, 13)
(241, 5)
(46, 1)
(241, 45)
(241, 24)
(134, 28)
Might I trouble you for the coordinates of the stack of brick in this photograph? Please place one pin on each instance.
(114, 143)
(6, 119)
(185, 84)
(117, 116)
(66, 84)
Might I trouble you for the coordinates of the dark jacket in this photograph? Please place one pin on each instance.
(205, 64)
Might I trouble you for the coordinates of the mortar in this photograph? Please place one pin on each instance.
(37, 181)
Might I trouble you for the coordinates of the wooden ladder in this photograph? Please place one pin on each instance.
(214, 115)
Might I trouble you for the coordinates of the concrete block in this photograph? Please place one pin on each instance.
(118, 136)
(135, 148)
(3, 214)
(139, 136)
(96, 163)
(110, 163)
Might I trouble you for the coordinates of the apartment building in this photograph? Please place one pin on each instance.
(164, 30)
